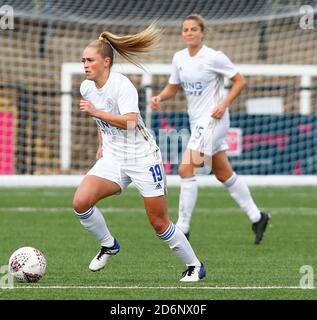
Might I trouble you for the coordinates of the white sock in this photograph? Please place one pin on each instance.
(180, 245)
(95, 223)
(187, 202)
(240, 192)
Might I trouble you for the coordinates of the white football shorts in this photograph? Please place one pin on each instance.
(147, 174)
(208, 135)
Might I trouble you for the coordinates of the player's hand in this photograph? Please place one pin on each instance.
(87, 107)
(219, 111)
(155, 103)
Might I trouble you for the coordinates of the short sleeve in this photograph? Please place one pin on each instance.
(174, 77)
(84, 88)
(222, 64)
(127, 97)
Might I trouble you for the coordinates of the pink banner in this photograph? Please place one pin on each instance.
(234, 141)
(6, 143)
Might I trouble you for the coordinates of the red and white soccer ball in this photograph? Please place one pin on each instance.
(27, 264)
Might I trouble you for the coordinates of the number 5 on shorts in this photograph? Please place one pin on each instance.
(198, 131)
(156, 173)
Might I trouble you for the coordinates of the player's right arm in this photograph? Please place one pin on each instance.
(167, 93)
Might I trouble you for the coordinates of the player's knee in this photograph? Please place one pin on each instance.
(81, 204)
(185, 171)
(222, 177)
(159, 224)
(160, 227)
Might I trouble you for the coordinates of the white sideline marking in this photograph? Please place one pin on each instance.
(166, 288)
(209, 195)
(289, 211)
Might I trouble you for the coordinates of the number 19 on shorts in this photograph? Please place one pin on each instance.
(156, 173)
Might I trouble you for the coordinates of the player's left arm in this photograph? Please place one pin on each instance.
(238, 83)
(123, 121)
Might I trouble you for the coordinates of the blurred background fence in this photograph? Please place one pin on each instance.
(274, 121)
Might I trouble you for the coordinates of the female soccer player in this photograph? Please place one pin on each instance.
(127, 152)
(200, 71)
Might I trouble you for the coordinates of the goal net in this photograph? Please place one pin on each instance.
(273, 43)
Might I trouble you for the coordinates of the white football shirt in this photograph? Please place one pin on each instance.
(119, 96)
(202, 79)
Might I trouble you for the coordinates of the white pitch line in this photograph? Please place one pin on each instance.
(274, 211)
(167, 288)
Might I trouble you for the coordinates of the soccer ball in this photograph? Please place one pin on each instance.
(27, 264)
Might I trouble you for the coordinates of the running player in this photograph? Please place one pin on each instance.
(200, 71)
(127, 152)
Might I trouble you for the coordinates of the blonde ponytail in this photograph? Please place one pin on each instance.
(128, 46)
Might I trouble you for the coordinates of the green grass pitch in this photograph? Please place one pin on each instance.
(145, 268)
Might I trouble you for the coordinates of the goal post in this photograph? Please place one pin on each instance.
(304, 73)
